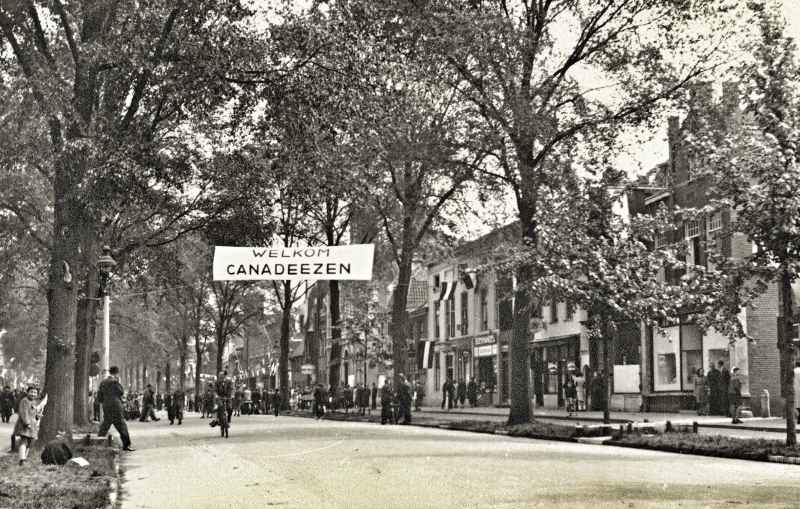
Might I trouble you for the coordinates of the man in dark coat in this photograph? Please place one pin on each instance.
(735, 396)
(724, 382)
(319, 401)
(461, 395)
(148, 404)
(6, 403)
(374, 396)
(448, 393)
(275, 402)
(714, 381)
(404, 398)
(256, 401)
(387, 398)
(177, 400)
(110, 394)
(472, 392)
(159, 401)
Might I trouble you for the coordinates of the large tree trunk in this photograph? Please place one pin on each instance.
(286, 320)
(520, 411)
(168, 376)
(182, 363)
(62, 297)
(197, 370)
(84, 341)
(399, 316)
(220, 351)
(787, 354)
(607, 373)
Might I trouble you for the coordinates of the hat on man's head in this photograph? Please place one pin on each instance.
(113, 370)
(735, 370)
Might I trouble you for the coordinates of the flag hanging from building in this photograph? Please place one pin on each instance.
(443, 290)
(425, 354)
(448, 289)
(468, 277)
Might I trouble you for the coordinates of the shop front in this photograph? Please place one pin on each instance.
(484, 356)
(682, 351)
(550, 363)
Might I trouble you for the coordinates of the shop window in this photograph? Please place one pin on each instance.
(665, 360)
(691, 354)
(448, 367)
(553, 311)
(505, 312)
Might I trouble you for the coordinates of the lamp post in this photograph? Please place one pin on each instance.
(105, 264)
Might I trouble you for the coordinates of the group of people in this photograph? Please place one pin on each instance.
(454, 394)
(718, 392)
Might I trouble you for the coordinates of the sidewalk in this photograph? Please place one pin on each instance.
(772, 424)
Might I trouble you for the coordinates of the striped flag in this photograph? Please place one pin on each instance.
(425, 354)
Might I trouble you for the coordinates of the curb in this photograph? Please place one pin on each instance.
(788, 460)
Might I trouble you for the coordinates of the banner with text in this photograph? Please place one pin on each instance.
(293, 263)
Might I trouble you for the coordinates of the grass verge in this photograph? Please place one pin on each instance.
(38, 486)
(710, 445)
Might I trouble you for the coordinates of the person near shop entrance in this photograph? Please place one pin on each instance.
(387, 399)
(724, 382)
(461, 393)
(404, 399)
(713, 380)
(735, 396)
(374, 396)
(700, 388)
(472, 392)
(448, 393)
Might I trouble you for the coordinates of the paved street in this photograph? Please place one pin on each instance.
(296, 462)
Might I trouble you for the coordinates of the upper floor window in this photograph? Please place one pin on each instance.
(436, 312)
(553, 311)
(484, 309)
(715, 222)
(692, 228)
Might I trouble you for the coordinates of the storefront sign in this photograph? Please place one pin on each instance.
(485, 340)
(353, 262)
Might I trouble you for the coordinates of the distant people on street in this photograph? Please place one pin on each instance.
(276, 402)
(110, 394)
(208, 401)
(224, 389)
(580, 391)
(735, 396)
(237, 401)
(448, 393)
(725, 380)
(159, 401)
(319, 401)
(419, 395)
(404, 399)
(597, 389)
(176, 408)
(256, 401)
(714, 383)
(6, 404)
(461, 393)
(387, 400)
(148, 405)
(27, 425)
(374, 396)
(472, 392)
(570, 394)
(700, 388)
(247, 401)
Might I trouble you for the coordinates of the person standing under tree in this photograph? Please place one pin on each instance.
(713, 381)
(110, 394)
(735, 396)
(374, 396)
(27, 425)
(6, 404)
(276, 402)
(725, 380)
(472, 392)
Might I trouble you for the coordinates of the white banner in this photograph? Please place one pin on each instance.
(293, 263)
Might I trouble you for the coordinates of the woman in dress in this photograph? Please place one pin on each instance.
(27, 425)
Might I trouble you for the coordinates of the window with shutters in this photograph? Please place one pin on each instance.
(692, 229)
(715, 222)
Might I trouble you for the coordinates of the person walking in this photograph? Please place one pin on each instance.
(27, 425)
(735, 396)
(110, 394)
(238, 395)
(580, 391)
(276, 402)
(256, 401)
(570, 394)
(6, 404)
(461, 393)
(159, 401)
(374, 396)
(148, 405)
(472, 392)
(448, 393)
(419, 396)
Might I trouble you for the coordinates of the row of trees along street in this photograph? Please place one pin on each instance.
(163, 130)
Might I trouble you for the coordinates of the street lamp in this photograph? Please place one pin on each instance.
(105, 264)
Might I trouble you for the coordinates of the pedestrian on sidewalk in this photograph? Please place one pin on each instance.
(700, 399)
(319, 401)
(419, 396)
(27, 425)
(110, 394)
(580, 391)
(404, 399)
(374, 396)
(713, 380)
(148, 405)
(570, 394)
(461, 393)
(472, 392)
(6, 404)
(448, 393)
(387, 399)
(276, 402)
(176, 406)
(735, 395)
(725, 380)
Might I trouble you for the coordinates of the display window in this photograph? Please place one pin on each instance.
(666, 350)
(691, 354)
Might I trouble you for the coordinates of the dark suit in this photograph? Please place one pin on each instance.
(110, 394)
(404, 396)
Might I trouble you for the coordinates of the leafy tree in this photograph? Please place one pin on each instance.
(521, 71)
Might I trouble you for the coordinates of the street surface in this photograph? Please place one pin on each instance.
(297, 462)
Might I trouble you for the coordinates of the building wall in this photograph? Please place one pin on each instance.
(764, 365)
